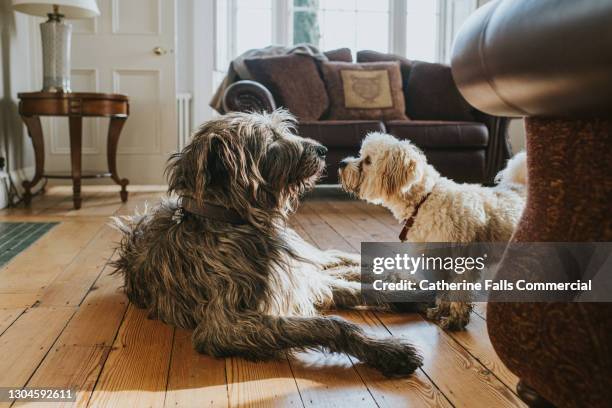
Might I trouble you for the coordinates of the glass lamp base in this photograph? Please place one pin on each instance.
(55, 35)
(47, 87)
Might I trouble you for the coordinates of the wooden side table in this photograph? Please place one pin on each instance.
(75, 106)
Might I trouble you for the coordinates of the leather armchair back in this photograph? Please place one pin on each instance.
(546, 58)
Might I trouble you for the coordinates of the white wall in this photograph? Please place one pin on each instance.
(184, 46)
(15, 76)
(195, 51)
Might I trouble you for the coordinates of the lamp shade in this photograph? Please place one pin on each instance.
(69, 8)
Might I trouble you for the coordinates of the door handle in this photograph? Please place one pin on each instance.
(160, 50)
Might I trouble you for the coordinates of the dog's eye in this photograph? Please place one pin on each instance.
(367, 161)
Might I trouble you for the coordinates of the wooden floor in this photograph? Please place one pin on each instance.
(64, 323)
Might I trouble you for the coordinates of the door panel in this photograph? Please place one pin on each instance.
(136, 17)
(114, 53)
(144, 88)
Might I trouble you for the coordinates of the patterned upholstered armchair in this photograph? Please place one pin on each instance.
(512, 59)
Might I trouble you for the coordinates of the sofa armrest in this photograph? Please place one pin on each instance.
(248, 96)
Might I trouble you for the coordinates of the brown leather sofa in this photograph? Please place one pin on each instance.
(463, 143)
(551, 62)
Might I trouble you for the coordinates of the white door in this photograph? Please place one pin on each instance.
(116, 53)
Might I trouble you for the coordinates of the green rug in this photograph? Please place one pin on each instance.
(17, 236)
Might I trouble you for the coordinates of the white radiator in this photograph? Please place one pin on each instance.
(184, 114)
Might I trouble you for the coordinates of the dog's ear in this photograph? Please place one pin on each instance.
(396, 169)
(199, 164)
(217, 159)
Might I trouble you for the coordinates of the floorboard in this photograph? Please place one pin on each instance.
(194, 380)
(414, 391)
(79, 353)
(476, 342)
(8, 316)
(262, 384)
(64, 322)
(71, 285)
(329, 381)
(32, 270)
(464, 381)
(321, 233)
(26, 342)
(136, 371)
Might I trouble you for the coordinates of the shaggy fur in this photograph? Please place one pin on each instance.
(256, 289)
(396, 174)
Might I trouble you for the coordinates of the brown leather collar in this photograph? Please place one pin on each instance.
(212, 211)
(408, 222)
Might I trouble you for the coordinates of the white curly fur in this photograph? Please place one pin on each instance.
(396, 175)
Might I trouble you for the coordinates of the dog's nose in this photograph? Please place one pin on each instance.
(343, 164)
(321, 150)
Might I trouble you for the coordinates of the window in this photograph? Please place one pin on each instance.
(253, 24)
(330, 24)
(241, 25)
(422, 30)
(417, 29)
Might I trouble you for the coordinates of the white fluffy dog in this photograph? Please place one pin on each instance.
(396, 174)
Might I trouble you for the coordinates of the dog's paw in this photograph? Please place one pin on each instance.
(451, 316)
(439, 311)
(394, 358)
(454, 323)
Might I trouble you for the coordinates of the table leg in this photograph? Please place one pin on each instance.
(76, 132)
(36, 134)
(114, 131)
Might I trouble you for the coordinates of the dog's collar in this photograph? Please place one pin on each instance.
(408, 222)
(207, 210)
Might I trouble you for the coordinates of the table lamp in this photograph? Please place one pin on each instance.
(56, 34)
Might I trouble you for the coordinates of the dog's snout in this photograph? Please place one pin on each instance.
(343, 164)
(321, 150)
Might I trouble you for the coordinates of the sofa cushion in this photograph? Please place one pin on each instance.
(364, 91)
(306, 98)
(339, 133)
(462, 166)
(440, 135)
(431, 94)
(341, 54)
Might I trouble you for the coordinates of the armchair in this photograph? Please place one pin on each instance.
(555, 71)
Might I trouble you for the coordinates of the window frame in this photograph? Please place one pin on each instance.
(282, 26)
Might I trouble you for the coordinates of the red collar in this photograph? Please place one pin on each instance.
(408, 222)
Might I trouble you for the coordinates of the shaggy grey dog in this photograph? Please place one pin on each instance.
(247, 284)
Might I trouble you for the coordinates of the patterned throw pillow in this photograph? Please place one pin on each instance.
(364, 91)
(294, 82)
